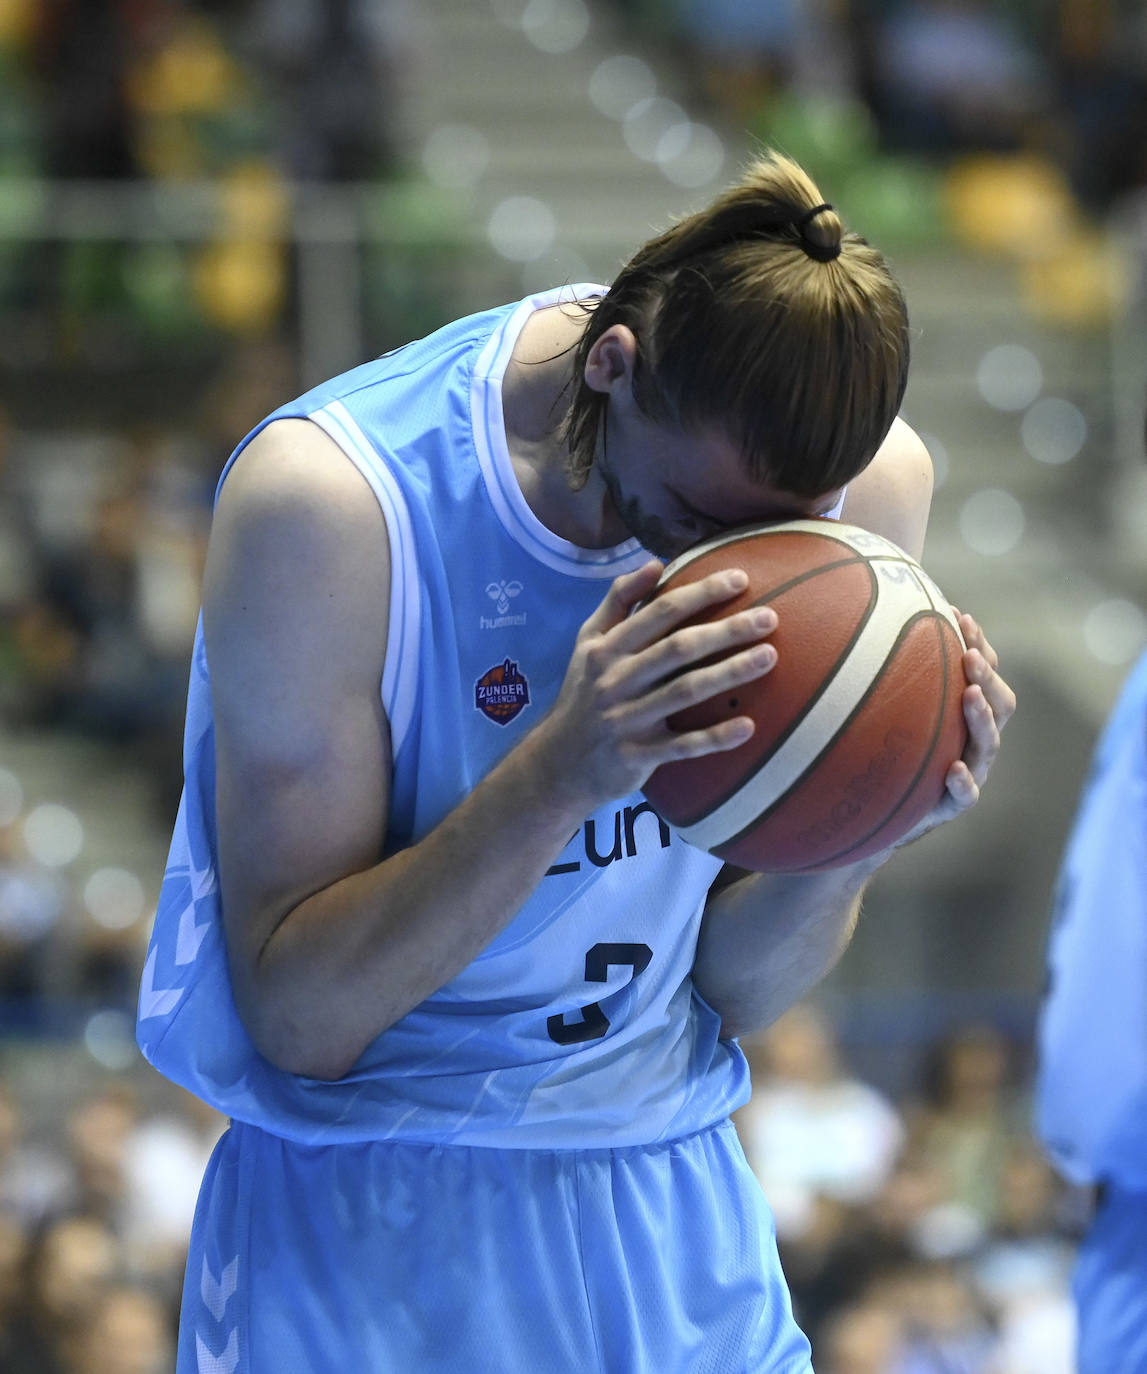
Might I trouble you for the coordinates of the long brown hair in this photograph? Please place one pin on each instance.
(762, 319)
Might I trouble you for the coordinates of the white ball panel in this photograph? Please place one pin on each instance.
(900, 597)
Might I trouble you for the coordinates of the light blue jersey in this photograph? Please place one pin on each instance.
(1091, 1100)
(533, 1170)
(1091, 1092)
(579, 1024)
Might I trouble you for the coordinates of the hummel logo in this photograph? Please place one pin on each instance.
(500, 593)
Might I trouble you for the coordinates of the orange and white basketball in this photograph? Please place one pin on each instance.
(856, 725)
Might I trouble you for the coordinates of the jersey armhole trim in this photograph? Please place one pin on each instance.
(400, 670)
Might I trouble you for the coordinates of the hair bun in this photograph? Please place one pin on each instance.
(801, 367)
(815, 248)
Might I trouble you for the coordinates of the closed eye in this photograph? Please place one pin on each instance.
(697, 520)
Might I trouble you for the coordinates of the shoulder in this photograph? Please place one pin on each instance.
(893, 495)
(294, 503)
(293, 470)
(298, 551)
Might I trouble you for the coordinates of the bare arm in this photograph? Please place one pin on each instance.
(329, 943)
(767, 939)
(893, 495)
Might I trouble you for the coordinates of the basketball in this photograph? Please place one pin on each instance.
(856, 725)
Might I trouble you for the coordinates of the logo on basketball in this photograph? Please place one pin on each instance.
(860, 789)
(501, 693)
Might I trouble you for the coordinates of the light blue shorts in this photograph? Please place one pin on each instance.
(1111, 1287)
(395, 1258)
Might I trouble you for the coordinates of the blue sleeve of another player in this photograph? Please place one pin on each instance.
(1091, 1099)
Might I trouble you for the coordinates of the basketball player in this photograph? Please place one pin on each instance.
(1091, 1102)
(468, 1002)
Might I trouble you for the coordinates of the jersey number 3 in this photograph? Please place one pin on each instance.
(594, 1023)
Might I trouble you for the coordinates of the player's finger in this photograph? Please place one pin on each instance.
(624, 593)
(663, 614)
(691, 744)
(702, 683)
(981, 671)
(983, 734)
(671, 655)
(963, 790)
(975, 638)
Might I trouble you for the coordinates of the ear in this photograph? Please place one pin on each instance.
(611, 359)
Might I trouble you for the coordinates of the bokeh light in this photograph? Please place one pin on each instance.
(114, 898)
(456, 156)
(1053, 430)
(620, 82)
(1009, 377)
(1115, 631)
(691, 154)
(555, 26)
(521, 228)
(648, 123)
(53, 834)
(991, 522)
(109, 1037)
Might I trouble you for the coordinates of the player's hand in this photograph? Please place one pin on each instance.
(634, 666)
(989, 703)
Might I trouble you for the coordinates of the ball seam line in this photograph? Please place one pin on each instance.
(832, 860)
(849, 682)
(799, 718)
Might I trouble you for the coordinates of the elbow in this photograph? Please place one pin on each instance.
(298, 1054)
(305, 1021)
(278, 1013)
(290, 1044)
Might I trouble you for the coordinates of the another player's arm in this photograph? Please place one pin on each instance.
(329, 943)
(767, 939)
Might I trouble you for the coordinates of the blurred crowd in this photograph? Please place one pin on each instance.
(921, 1236)
(103, 533)
(230, 103)
(255, 95)
(95, 1211)
(317, 89)
(178, 88)
(1066, 79)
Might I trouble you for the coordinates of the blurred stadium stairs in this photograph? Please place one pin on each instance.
(542, 136)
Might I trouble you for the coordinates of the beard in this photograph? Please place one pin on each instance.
(650, 531)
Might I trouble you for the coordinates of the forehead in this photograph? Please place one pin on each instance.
(710, 473)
